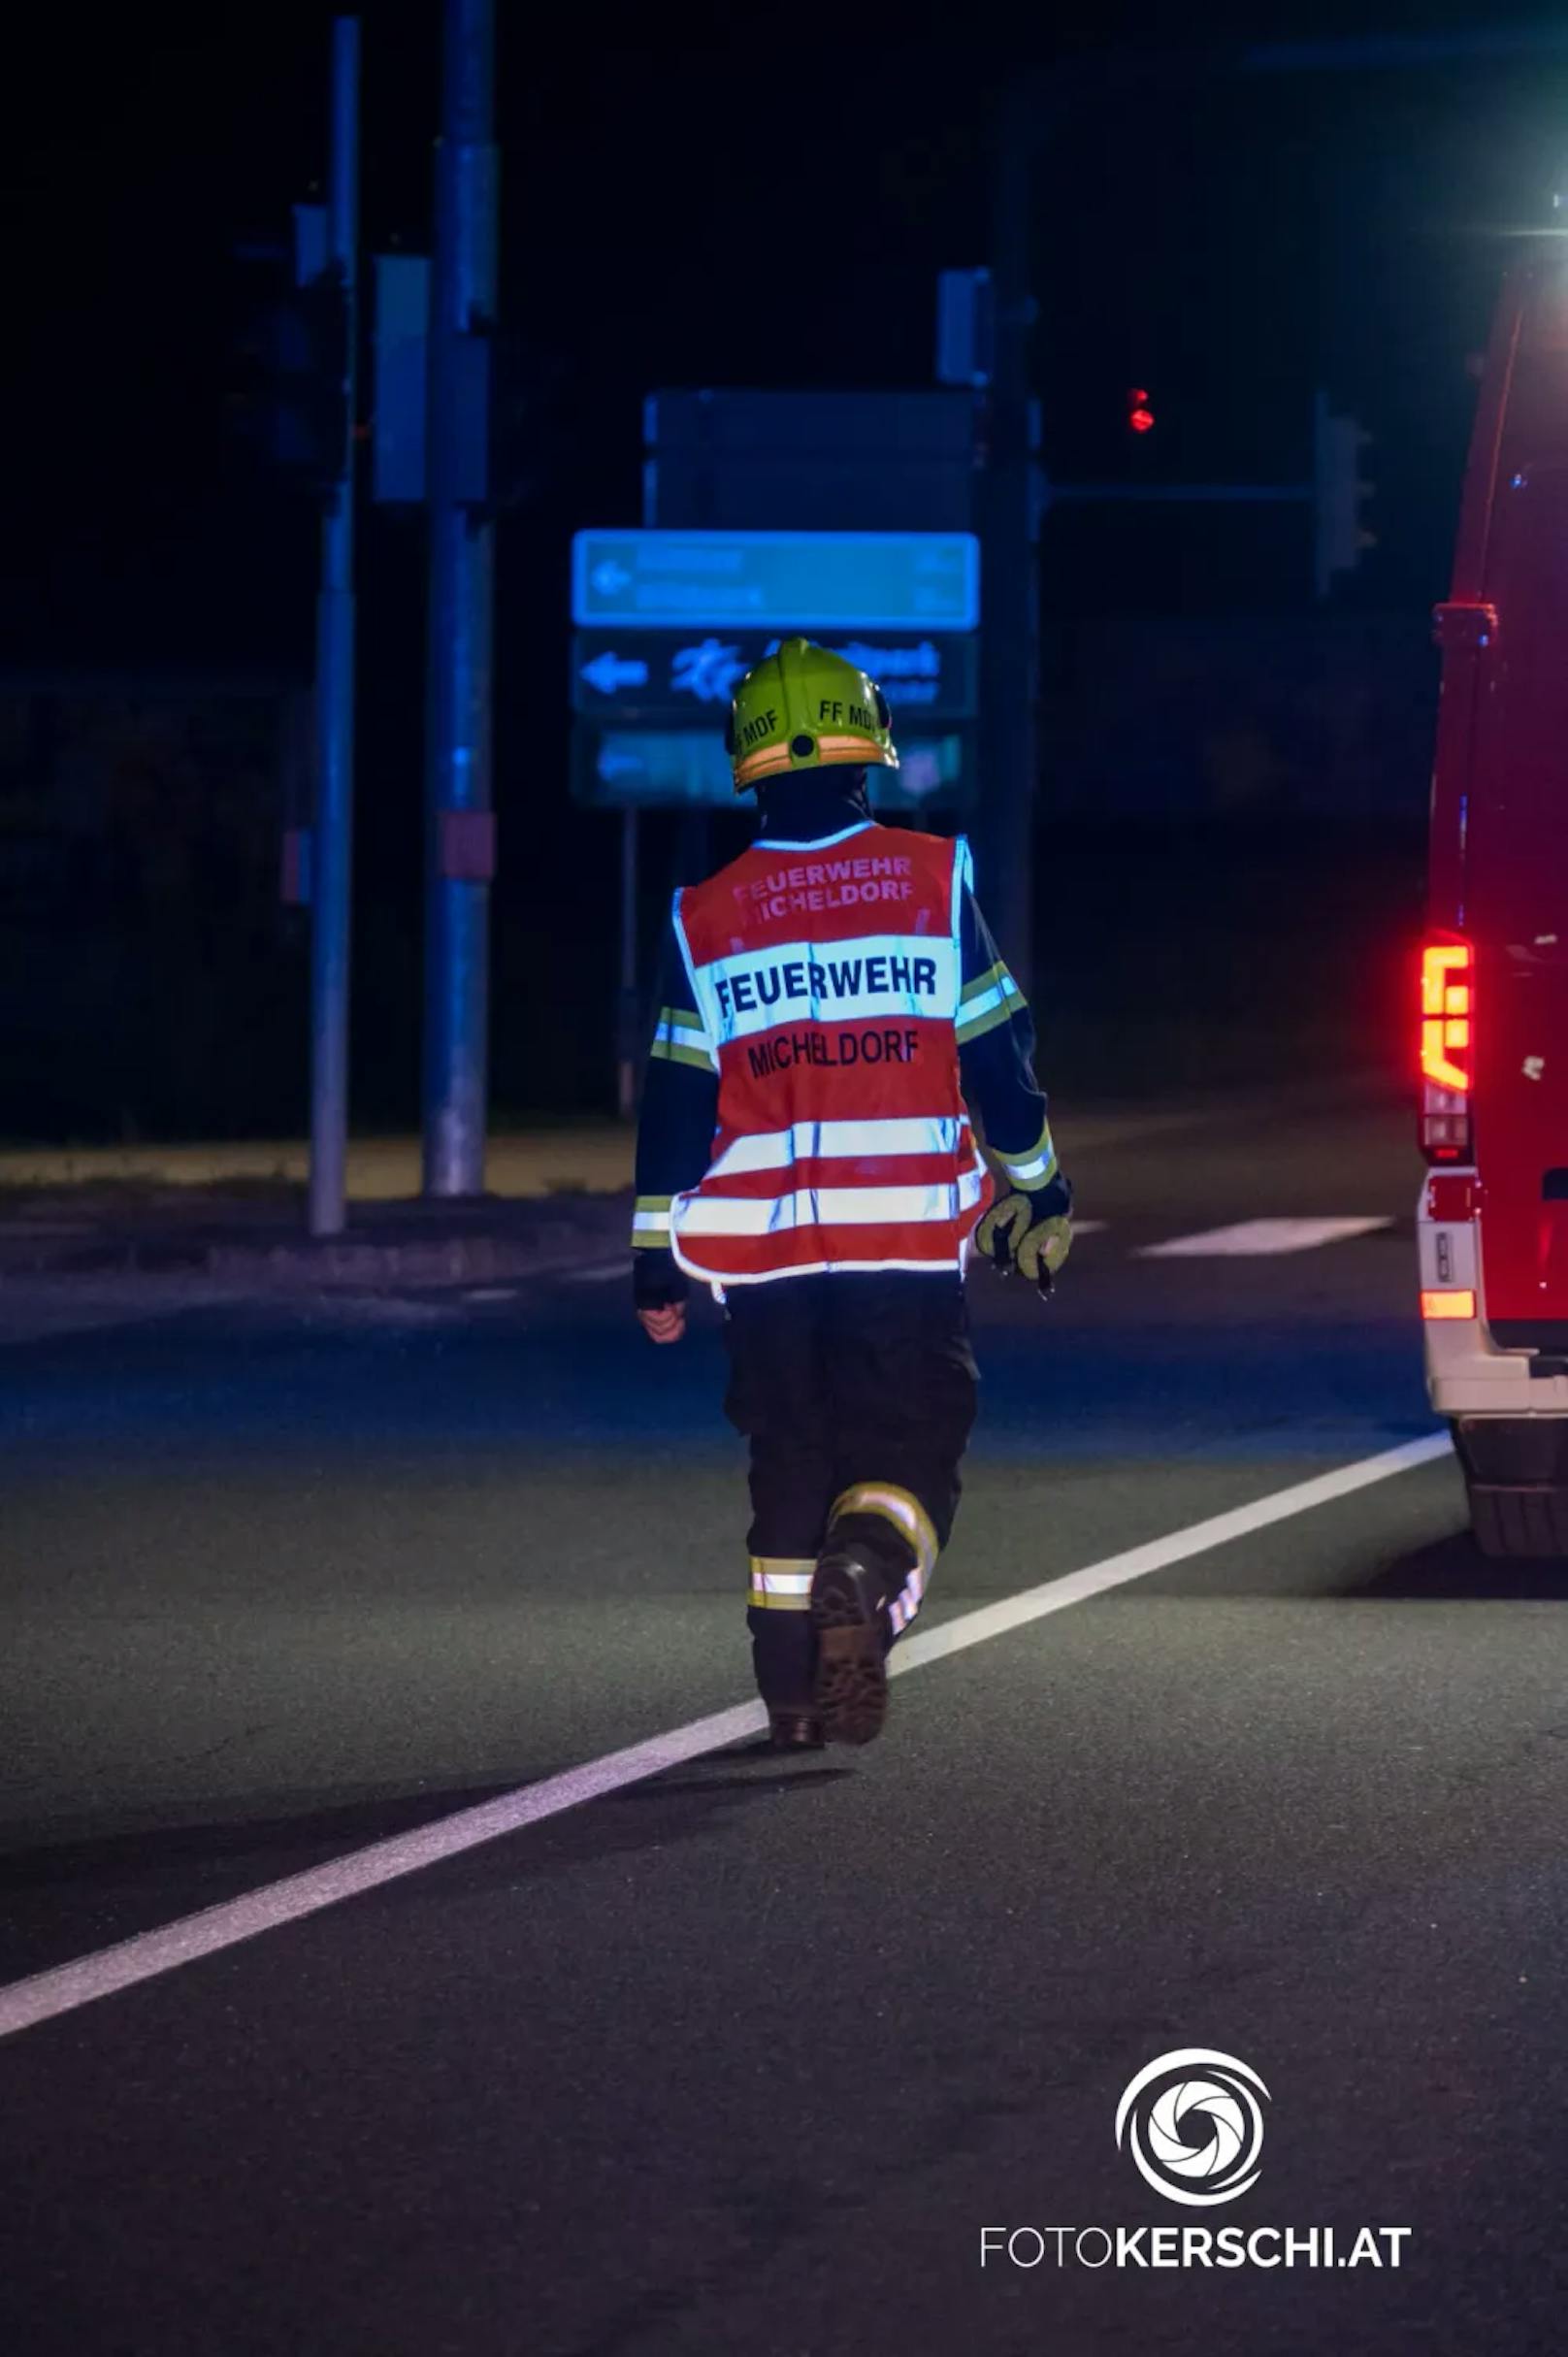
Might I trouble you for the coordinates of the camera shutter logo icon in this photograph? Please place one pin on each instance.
(1192, 2122)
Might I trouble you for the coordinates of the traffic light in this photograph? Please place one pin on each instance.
(287, 394)
(1140, 416)
(1339, 494)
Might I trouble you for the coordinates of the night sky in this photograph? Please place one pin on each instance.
(702, 196)
(733, 200)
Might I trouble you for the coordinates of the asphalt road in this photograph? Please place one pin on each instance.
(742, 2056)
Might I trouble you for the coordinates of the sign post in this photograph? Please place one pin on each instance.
(460, 824)
(331, 884)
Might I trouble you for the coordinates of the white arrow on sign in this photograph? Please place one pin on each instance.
(609, 576)
(610, 673)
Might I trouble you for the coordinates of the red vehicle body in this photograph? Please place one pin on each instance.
(1493, 1216)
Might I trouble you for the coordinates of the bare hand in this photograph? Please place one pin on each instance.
(666, 1324)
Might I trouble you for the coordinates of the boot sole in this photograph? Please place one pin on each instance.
(851, 1676)
(798, 1731)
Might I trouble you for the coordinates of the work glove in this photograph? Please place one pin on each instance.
(659, 1290)
(658, 1281)
(1033, 1232)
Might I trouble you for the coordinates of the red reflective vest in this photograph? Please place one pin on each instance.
(826, 977)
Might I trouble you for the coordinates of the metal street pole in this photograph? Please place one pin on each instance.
(459, 840)
(1009, 656)
(628, 1013)
(332, 840)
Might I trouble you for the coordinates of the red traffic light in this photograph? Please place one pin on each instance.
(1140, 416)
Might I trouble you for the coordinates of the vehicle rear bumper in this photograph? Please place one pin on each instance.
(1468, 1375)
(1467, 1372)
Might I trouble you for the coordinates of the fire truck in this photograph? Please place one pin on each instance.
(1493, 1221)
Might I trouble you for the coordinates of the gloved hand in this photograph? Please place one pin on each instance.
(1033, 1232)
(659, 1290)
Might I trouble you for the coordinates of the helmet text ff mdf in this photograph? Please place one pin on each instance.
(804, 708)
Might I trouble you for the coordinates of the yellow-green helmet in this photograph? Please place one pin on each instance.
(803, 708)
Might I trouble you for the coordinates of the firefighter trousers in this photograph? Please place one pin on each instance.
(857, 1394)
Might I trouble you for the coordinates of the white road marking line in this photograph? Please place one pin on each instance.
(1054, 1595)
(146, 1954)
(1251, 1239)
(25, 2002)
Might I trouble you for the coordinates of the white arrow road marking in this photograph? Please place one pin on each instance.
(25, 2002)
(1250, 1239)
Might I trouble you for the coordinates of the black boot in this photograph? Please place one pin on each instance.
(849, 1613)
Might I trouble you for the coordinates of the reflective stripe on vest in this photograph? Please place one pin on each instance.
(842, 1138)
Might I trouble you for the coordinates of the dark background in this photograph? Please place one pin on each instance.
(1234, 779)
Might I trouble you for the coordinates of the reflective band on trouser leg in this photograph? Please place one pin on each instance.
(781, 1583)
(908, 1517)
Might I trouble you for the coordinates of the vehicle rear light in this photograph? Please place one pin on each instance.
(1449, 1304)
(1446, 1048)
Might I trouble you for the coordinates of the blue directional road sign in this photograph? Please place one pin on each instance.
(780, 581)
(691, 675)
(685, 769)
(609, 677)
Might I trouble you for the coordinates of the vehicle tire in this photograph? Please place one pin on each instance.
(1518, 1521)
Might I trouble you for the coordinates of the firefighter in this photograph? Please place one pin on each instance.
(831, 1000)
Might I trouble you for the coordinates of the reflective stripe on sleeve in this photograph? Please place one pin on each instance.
(679, 1039)
(650, 1220)
(992, 998)
(1033, 1168)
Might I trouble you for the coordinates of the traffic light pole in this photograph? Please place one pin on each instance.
(332, 835)
(459, 822)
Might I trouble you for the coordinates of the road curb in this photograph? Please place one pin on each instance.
(306, 1264)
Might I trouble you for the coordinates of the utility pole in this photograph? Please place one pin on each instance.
(460, 823)
(332, 839)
